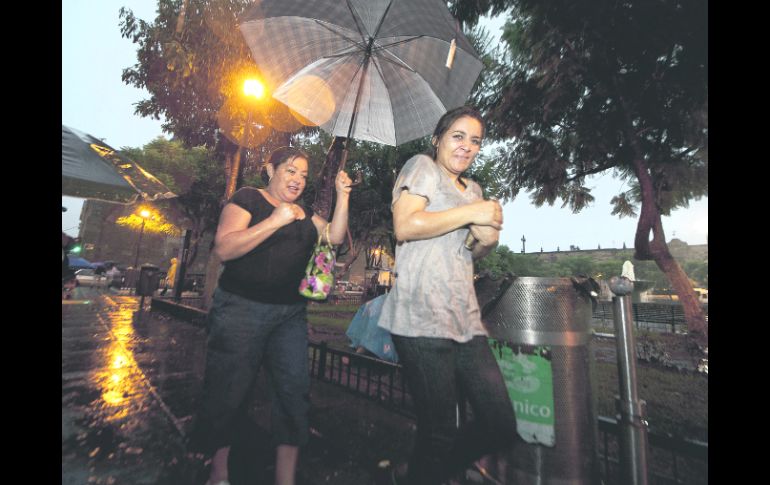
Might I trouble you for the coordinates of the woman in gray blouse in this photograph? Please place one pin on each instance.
(432, 311)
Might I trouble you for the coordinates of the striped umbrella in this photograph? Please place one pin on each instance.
(376, 70)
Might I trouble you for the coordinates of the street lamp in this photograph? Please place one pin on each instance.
(253, 90)
(144, 213)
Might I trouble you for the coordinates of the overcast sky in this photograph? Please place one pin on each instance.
(95, 100)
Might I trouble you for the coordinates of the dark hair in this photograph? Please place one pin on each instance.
(281, 155)
(450, 117)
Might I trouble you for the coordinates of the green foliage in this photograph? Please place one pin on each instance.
(192, 59)
(503, 260)
(587, 86)
(698, 271)
(193, 175)
(184, 63)
(322, 307)
(370, 217)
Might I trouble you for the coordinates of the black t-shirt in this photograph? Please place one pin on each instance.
(271, 272)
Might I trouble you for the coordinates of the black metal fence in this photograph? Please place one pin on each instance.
(672, 460)
(365, 376)
(658, 317)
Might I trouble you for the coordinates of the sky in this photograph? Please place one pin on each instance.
(96, 101)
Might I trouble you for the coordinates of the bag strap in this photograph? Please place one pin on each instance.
(320, 236)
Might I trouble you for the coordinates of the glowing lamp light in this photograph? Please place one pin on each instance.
(254, 88)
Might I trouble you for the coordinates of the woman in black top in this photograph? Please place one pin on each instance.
(265, 239)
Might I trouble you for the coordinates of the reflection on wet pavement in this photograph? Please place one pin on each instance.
(119, 423)
(130, 383)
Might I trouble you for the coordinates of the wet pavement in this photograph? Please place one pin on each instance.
(130, 382)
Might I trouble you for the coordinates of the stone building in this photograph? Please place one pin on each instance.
(104, 239)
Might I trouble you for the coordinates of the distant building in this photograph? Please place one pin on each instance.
(680, 250)
(105, 240)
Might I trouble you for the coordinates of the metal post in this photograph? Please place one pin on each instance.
(138, 245)
(673, 320)
(322, 362)
(181, 269)
(633, 427)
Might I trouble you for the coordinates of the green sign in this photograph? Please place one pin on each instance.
(529, 380)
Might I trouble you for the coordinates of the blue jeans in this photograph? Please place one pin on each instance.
(244, 334)
(437, 370)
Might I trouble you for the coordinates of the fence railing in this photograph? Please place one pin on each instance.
(658, 317)
(365, 376)
(672, 460)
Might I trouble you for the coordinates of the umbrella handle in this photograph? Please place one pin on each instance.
(359, 179)
(344, 157)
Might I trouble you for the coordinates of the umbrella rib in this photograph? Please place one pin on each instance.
(404, 41)
(358, 44)
(382, 19)
(398, 62)
(356, 20)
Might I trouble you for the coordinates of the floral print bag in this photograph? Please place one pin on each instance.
(319, 273)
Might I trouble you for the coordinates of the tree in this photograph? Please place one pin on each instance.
(192, 59)
(586, 86)
(190, 173)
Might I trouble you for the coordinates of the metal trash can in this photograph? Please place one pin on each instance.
(547, 320)
(149, 280)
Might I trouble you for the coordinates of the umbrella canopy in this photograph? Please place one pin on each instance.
(91, 169)
(76, 262)
(384, 61)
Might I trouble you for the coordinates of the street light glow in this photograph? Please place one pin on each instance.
(144, 213)
(252, 87)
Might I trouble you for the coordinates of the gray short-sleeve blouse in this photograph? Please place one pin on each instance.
(433, 294)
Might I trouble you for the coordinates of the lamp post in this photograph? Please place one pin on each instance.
(144, 214)
(253, 90)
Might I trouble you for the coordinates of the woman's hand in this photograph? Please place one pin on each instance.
(286, 213)
(343, 183)
(485, 235)
(487, 213)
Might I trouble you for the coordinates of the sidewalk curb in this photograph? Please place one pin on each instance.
(196, 316)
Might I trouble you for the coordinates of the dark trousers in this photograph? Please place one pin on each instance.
(437, 370)
(243, 335)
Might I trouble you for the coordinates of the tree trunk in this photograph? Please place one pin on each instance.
(212, 277)
(233, 174)
(232, 166)
(657, 250)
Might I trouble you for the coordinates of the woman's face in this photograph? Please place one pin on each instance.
(459, 145)
(288, 180)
